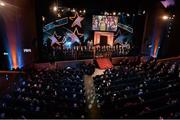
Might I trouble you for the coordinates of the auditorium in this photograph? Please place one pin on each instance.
(89, 59)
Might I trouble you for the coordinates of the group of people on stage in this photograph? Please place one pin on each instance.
(89, 52)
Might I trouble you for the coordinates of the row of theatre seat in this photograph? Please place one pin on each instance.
(130, 90)
(139, 91)
(46, 94)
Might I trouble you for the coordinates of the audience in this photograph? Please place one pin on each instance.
(46, 94)
(131, 90)
(139, 90)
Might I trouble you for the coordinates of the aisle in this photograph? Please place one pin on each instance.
(94, 111)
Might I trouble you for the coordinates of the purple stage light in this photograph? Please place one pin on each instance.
(168, 3)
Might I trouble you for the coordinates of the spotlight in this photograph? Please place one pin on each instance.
(2, 3)
(105, 13)
(165, 17)
(43, 18)
(55, 8)
(5, 53)
(73, 10)
(84, 11)
(128, 14)
(114, 13)
(144, 12)
(119, 13)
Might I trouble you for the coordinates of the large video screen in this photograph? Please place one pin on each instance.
(104, 23)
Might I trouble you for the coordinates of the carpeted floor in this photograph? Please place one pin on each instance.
(90, 94)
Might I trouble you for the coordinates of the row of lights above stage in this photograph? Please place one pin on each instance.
(125, 13)
(169, 19)
(166, 17)
(57, 9)
(60, 11)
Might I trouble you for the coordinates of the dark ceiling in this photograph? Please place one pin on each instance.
(109, 4)
(133, 6)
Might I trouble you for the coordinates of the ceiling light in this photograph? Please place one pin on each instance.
(2, 3)
(55, 8)
(165, 17)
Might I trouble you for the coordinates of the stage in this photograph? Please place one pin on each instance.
(75, 63)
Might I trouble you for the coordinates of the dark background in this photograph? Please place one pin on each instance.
(33, 10)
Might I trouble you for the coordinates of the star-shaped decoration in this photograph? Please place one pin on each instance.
(77, 32)
(167, 3)
(54, 38)
(77, 21)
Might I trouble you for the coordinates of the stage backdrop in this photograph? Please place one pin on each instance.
(75, 27)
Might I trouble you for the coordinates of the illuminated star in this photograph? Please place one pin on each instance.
(77, 21)
(77, 32)
(54, 39)
(168, 3)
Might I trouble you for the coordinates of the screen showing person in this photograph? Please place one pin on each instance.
(104, 23)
